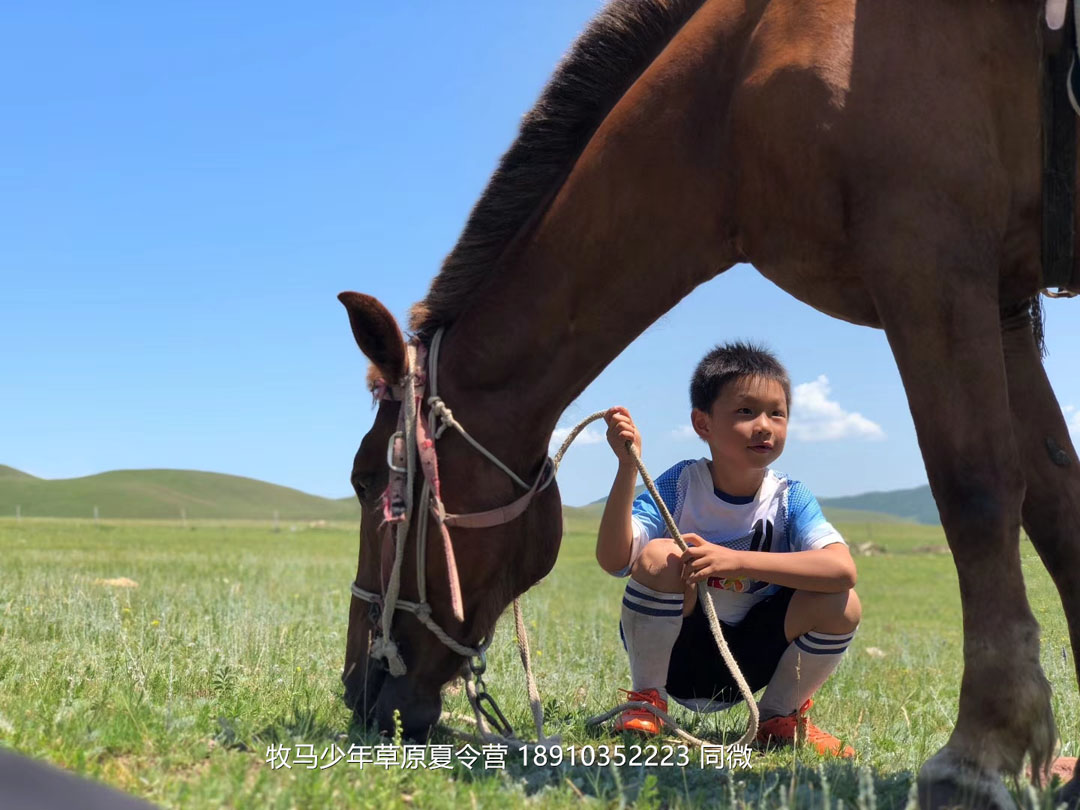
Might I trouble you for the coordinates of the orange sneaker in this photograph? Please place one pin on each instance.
(642, 719)
(797, 728)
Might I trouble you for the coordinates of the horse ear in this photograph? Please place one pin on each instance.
(377, 334)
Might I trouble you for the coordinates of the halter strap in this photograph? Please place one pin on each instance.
(412, 442)
(504, 514)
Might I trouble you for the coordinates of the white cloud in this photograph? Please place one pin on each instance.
(1072, 418)
(683, 432)
(587, 436)
(816, 418)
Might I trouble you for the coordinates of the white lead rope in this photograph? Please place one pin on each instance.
(523, 639)
(704, 596)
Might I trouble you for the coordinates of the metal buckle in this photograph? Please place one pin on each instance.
(494, 716)
(478, 669)
(390, 452)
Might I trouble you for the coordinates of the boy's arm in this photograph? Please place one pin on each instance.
(826, 570)
(615, 539)
(616, 534)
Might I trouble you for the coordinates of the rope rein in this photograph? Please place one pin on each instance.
(384, 646)
(704, 596)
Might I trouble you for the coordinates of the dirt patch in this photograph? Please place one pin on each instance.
(118, 582)
(1062, 769)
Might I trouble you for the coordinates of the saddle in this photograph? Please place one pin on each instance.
(1061, 89)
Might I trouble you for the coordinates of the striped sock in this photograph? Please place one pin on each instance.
(650, 624)
(805, 665)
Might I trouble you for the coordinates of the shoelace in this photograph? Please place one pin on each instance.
(639, 696)
(808, 731)
(814, 734)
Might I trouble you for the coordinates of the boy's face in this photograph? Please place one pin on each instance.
(747, 424)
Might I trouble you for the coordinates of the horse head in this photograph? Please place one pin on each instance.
(469, 543)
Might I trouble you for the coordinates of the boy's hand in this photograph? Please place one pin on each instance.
(621, 430)
(705, 560)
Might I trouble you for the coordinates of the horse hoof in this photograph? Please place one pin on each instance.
(948, 781)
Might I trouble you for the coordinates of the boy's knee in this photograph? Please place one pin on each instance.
(659, 566)
(840, 611)
(853, 609)
(824, 612)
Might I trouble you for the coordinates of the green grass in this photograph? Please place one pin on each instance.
(235, 635)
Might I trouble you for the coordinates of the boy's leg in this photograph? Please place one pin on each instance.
(819, 627)
(652, 611)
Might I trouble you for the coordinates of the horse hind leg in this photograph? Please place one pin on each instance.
(1051, 510)
(938, 307)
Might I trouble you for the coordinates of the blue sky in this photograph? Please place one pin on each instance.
(184, 190)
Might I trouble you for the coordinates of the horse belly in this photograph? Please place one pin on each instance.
(788, 114)
(899, 113)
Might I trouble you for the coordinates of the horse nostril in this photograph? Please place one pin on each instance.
(362, 687)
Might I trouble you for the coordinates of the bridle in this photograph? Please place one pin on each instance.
(412, 442)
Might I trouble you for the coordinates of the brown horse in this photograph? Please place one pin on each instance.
(879, 160)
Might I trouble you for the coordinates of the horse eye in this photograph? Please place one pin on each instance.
(363, 486)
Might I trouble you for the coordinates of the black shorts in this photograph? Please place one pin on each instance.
(697, 670)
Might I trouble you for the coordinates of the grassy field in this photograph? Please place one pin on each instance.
(233, 640)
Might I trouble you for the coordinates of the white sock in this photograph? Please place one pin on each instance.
(651, 621)
(805, 665)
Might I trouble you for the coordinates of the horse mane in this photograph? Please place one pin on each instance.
(615, 48)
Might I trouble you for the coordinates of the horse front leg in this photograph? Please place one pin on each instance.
(940, 314)
(1051, 511)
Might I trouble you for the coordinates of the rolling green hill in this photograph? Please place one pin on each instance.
(11, 472)
(904, 505)
(162, 494)
(907, 504)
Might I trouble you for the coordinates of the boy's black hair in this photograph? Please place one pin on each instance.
(728, 362)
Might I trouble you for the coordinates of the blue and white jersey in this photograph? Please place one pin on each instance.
(782, 516)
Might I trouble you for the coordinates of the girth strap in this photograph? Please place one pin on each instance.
(1059, 150)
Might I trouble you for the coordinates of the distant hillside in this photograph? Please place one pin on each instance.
(11, 472)
(874, 507)
(162, 494)
(909, 504)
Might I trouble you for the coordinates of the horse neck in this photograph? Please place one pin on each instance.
(643, 217)
(558, 317)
